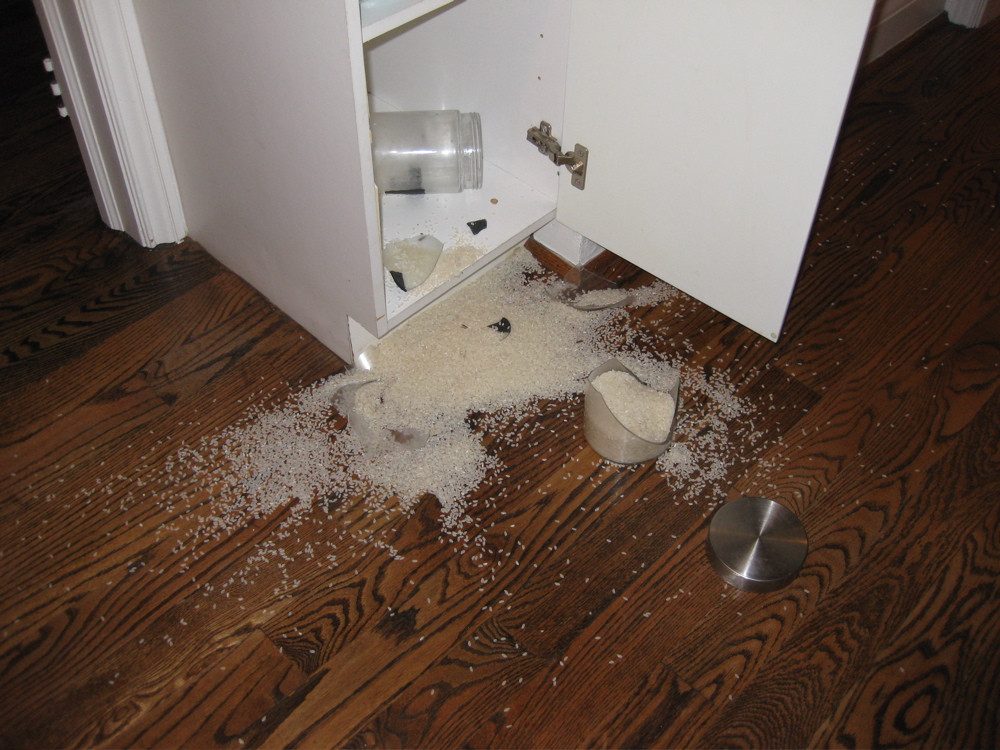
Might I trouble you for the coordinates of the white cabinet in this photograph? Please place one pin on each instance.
(709, 126)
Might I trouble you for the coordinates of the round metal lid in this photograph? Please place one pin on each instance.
(756, 544)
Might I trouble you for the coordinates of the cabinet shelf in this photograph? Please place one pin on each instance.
(382, 16)
(519, 210)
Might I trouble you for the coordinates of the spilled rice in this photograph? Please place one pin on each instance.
(444, 396)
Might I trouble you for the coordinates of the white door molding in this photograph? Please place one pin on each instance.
(972, 13)
(100, 64)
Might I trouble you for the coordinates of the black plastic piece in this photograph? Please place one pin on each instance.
(476, 226)
(397, 276)
(502, 325)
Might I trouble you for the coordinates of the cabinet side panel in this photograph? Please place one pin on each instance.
(260, 107)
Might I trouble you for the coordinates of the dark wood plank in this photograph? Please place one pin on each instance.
(47, 320)
(220, 702)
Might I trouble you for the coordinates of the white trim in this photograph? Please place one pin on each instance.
(569, 245)
(122, 71)
(62, 34)
(362, 341)
(108, 90)
(972, 13)
(895, 22)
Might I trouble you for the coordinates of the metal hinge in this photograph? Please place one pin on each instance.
(575, 161)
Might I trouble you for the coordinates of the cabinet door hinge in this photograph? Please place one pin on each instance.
(575, 161)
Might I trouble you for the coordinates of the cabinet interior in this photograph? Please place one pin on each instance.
(506, 61)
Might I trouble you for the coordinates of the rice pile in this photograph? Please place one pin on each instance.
(413, 259)
(457, 255)
(644, 411)
(373, 443)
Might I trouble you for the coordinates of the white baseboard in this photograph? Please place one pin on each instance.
(972, 13)
(571, 246)
(896, 21)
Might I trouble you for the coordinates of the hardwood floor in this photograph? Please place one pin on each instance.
(887, 445)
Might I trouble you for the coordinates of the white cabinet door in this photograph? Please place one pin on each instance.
(710, 127)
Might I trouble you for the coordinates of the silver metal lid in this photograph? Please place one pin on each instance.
(756, 544)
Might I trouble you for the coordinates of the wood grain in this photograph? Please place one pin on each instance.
(580, 609)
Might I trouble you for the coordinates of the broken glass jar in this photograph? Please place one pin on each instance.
(436, 151)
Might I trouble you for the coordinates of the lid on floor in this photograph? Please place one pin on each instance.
(756, 544)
